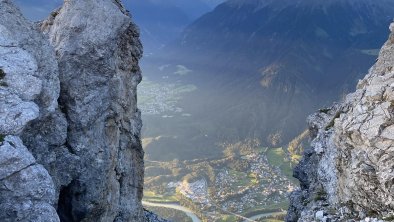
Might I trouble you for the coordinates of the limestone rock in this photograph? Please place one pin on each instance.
(98, 49)
(348, 172)
(27, 192)
(29, 92)
(70, 146)
(14, 112)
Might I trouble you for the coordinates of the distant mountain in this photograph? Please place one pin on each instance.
(162, 21)
(265, 64)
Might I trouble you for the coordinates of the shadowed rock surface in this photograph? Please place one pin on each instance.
(69, 125)
(347, 174)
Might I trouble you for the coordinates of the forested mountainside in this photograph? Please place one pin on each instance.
(262, 66)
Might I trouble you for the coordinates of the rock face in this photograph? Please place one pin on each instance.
(347, 174)
(69, 125)
(27, 192)
(98, 49)
(29, 88)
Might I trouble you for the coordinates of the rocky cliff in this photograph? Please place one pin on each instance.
(69, 125)
(347, 174)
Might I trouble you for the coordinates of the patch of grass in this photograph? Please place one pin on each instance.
(152, 197)
(271, 207)
(242, 179)
(272, 220)
(2, 138)
(228, 218)
(149, 194)
(262, 149)
(287, 169)
(276, 156)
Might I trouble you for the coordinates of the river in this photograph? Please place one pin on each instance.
(194, 217)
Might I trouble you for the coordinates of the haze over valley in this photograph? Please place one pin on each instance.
(250, 70)
(226, 90)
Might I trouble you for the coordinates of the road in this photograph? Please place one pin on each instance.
(187, 211)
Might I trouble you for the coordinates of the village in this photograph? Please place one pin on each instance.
(261, 187)
(157, 99)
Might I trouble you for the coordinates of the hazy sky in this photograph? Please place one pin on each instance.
(39, 9)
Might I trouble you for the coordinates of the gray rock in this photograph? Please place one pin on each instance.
(14, 112)
(29, 92)
(19, 84)
(79, 159)
(27, 192)
(46, 138)
(14, 157)
(30, 60)
(319, 215)
(98, 49)
(348, 171)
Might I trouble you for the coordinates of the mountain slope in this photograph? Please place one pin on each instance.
(265, 64)
(162, 21)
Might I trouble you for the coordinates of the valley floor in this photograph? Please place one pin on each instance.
(253, 183)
